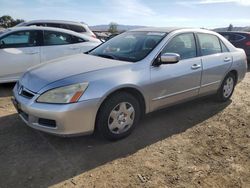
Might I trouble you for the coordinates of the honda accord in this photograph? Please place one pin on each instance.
(111, 87)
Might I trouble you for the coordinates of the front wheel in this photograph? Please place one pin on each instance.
(227, 88)
(118, 116)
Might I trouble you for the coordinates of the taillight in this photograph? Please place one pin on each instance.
(248, 43)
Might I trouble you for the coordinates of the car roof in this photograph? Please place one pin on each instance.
(56, 21)
(171, 29)
(235, 32)
(158, 29)
(47, 29)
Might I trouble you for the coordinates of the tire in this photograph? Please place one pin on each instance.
(226, 90)
(118, 116)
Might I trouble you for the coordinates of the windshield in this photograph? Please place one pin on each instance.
(130, 46)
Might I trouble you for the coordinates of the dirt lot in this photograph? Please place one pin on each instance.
(197, 144)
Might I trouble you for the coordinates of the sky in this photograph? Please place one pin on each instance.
(162, 13)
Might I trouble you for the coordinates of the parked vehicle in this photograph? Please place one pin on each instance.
(103, 36)
(78, 27)
(23, 47)
(137, 72)
(113, 35)
(239, 40)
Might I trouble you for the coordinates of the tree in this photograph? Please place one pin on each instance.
(7, 21)
(230, 27)
(17, 21)
(113, 27)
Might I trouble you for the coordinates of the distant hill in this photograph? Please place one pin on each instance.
(129, 27)
(119, 27)
(234, 29)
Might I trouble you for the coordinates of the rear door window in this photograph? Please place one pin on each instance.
(209, 44)
(58, 38)
(20, 39)
(77, 39)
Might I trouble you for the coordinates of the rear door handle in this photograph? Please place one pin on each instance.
(227, 59)
(195, 66)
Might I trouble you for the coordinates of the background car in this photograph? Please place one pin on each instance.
(140, 71)
(239, 40)
(70, 25)
(23, 47)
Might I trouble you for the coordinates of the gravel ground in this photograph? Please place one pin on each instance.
(197, 144)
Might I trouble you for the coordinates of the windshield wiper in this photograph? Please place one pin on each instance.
(106, 56)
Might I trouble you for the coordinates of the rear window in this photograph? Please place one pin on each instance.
(77, 28)
(53, 25)
(236, 38)
(233, 37)
(21, 24)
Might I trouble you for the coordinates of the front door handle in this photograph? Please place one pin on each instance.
(195, 66)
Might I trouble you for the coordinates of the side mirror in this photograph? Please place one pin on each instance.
(168, 58)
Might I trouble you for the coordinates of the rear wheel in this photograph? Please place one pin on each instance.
(118, 116)
(227, 88)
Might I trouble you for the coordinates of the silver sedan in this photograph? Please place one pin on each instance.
(109, 88)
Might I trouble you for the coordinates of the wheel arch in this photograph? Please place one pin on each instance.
(137, 93)
(235, 74)
(234, 71)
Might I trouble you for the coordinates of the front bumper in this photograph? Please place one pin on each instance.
(70, 119)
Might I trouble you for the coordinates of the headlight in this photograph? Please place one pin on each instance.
(64, 95)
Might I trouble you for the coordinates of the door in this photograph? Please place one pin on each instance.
(173, 83)
(216, 61)
(58, 44)
(18, 51)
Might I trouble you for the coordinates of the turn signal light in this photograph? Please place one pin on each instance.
(76, 96)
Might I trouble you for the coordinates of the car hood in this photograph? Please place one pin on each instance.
(40, 76)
